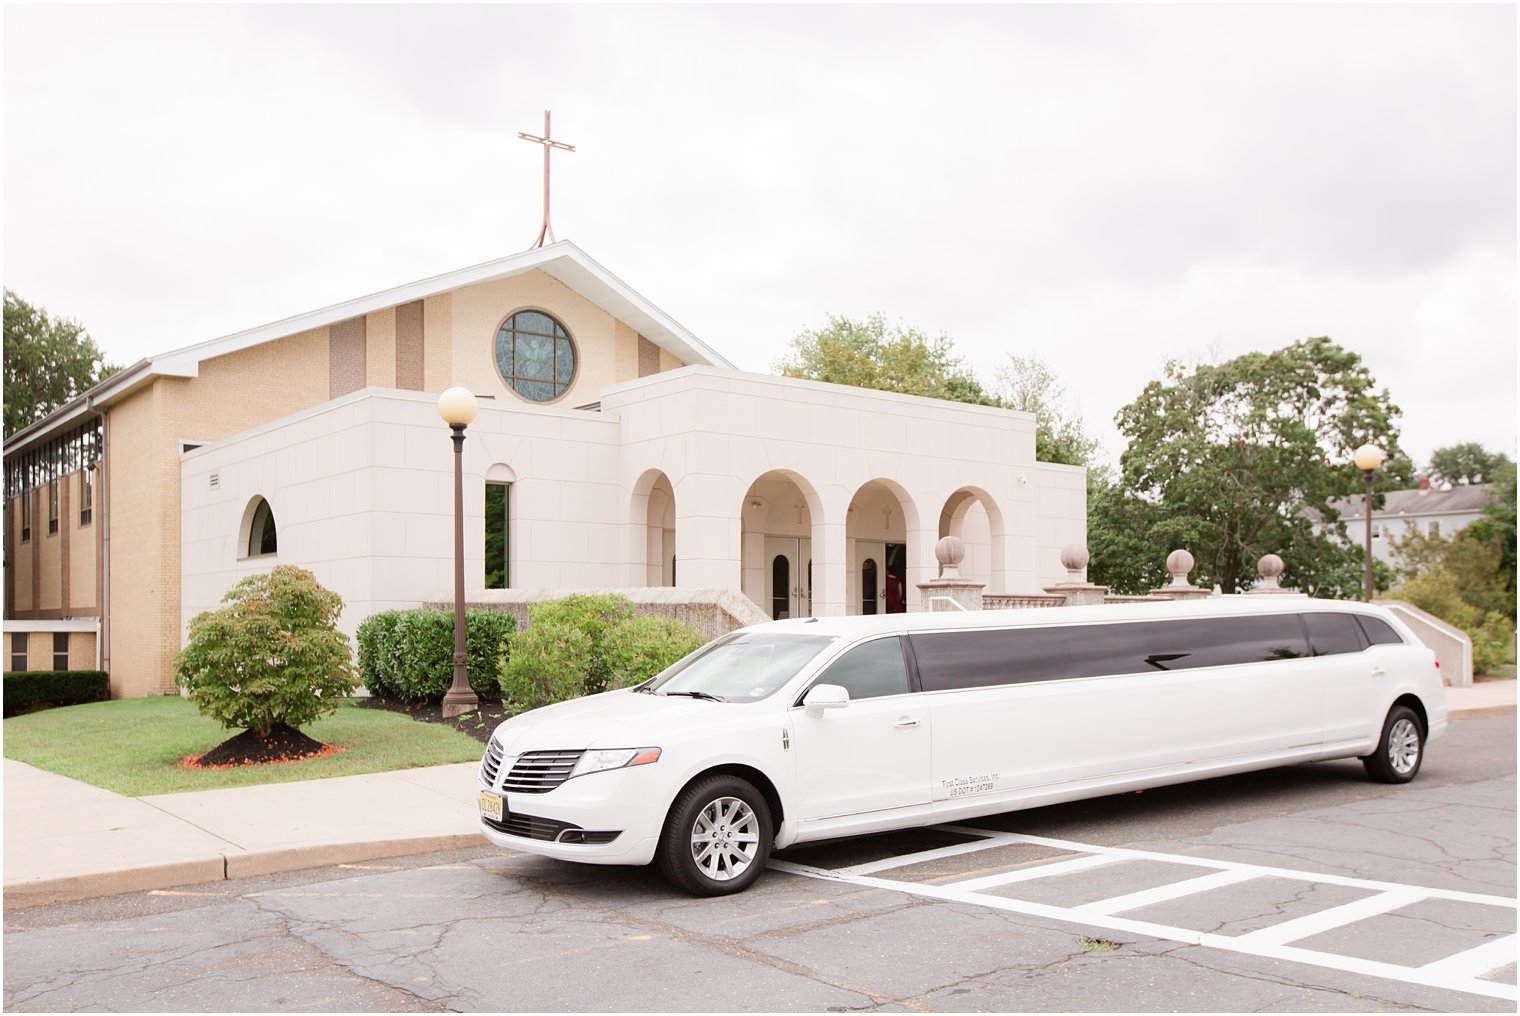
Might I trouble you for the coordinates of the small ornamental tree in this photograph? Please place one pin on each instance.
(272, 655)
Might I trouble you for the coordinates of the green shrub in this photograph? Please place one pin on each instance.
(273, 654)
(547, 663)
(641, 647)
(1437, 591)
(410, 653)
(581, 645)
(592, 616)
(27, 688)
(375, 638)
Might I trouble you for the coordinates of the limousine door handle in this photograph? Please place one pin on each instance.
(905, 721)
(1379, 672)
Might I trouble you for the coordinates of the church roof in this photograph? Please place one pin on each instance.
(563, 261)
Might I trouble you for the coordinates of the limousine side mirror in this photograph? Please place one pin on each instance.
(825, 696)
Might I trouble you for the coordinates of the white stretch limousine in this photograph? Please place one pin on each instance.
(803, 730)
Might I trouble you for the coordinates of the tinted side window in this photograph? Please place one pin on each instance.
(975, 659)
(1331, 634)
(870, 671)
(1222, 641)
(1378, 631)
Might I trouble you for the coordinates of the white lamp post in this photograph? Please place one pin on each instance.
(457, 407)
(1367, 458)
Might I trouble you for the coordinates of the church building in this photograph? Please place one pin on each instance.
(613, 449)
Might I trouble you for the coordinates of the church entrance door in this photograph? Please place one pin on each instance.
(789, 576)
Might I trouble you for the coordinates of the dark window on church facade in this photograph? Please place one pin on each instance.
(498, 536)
(535, 356)
(262, 537)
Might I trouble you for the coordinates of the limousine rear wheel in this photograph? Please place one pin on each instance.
(717, 837)
(1400, 750)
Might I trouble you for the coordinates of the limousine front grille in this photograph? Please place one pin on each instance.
(531, 827)
(538, 772)
(490, 765)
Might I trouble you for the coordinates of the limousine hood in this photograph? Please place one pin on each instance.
(614, 719)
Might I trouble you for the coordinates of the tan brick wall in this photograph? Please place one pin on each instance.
(380, 349)
(40, 650)
(232, 393)
(438, 342)
(669, 361)
(83, 547)
(50, 552)
(21, 557)
(81, 650)
(626, 353)
(345, 357)
(410, 352)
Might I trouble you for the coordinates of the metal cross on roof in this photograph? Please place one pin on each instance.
(546, 231)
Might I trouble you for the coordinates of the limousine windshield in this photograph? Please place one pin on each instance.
(743, 667)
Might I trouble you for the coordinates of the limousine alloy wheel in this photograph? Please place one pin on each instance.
(717, 837)
(1400, 750)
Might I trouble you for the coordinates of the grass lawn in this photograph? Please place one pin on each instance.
(131, 746)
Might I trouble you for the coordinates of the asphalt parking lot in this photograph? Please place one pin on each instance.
(1300, 889)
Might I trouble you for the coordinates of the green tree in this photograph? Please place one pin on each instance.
(889, 358)
(1230, 453)
(272, 655)
(1468, 462)
(48, 361)
(1028, 384)
(1497, 526)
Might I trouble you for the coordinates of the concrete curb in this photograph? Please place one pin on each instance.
(221, 866)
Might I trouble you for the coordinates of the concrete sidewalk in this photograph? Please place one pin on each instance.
(66, 840)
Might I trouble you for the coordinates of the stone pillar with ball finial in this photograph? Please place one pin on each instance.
(1271, 569)
(1078, 591)
(951, 591)
(1179, 563)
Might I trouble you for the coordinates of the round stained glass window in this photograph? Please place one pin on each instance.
(535, 356)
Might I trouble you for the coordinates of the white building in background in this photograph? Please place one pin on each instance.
(1432, 511)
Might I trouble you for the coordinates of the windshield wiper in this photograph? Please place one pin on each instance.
(697, 694)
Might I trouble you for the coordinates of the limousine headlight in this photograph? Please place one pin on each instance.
(599, 760)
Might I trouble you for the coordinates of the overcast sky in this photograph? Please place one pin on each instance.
(1106, 187)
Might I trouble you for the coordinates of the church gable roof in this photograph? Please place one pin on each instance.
(563, 261)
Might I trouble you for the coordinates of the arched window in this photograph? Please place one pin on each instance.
(262, 538)
(535, 356)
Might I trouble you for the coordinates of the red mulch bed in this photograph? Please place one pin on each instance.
(478, 722)
(283, 744)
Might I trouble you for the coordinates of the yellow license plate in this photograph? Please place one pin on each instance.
(492, 806)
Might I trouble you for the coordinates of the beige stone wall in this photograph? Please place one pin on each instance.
(84, 550)
(232, 393)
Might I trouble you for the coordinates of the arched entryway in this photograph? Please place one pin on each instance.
(652, 512)
(880, 517)
(971, 514)
(776, 558)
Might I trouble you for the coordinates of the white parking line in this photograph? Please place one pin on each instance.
(1461, 972)
(1334, 917)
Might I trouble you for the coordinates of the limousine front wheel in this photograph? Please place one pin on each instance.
(1400, 750)
(717, 838)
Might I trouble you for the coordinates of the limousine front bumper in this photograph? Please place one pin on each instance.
(601, 818)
